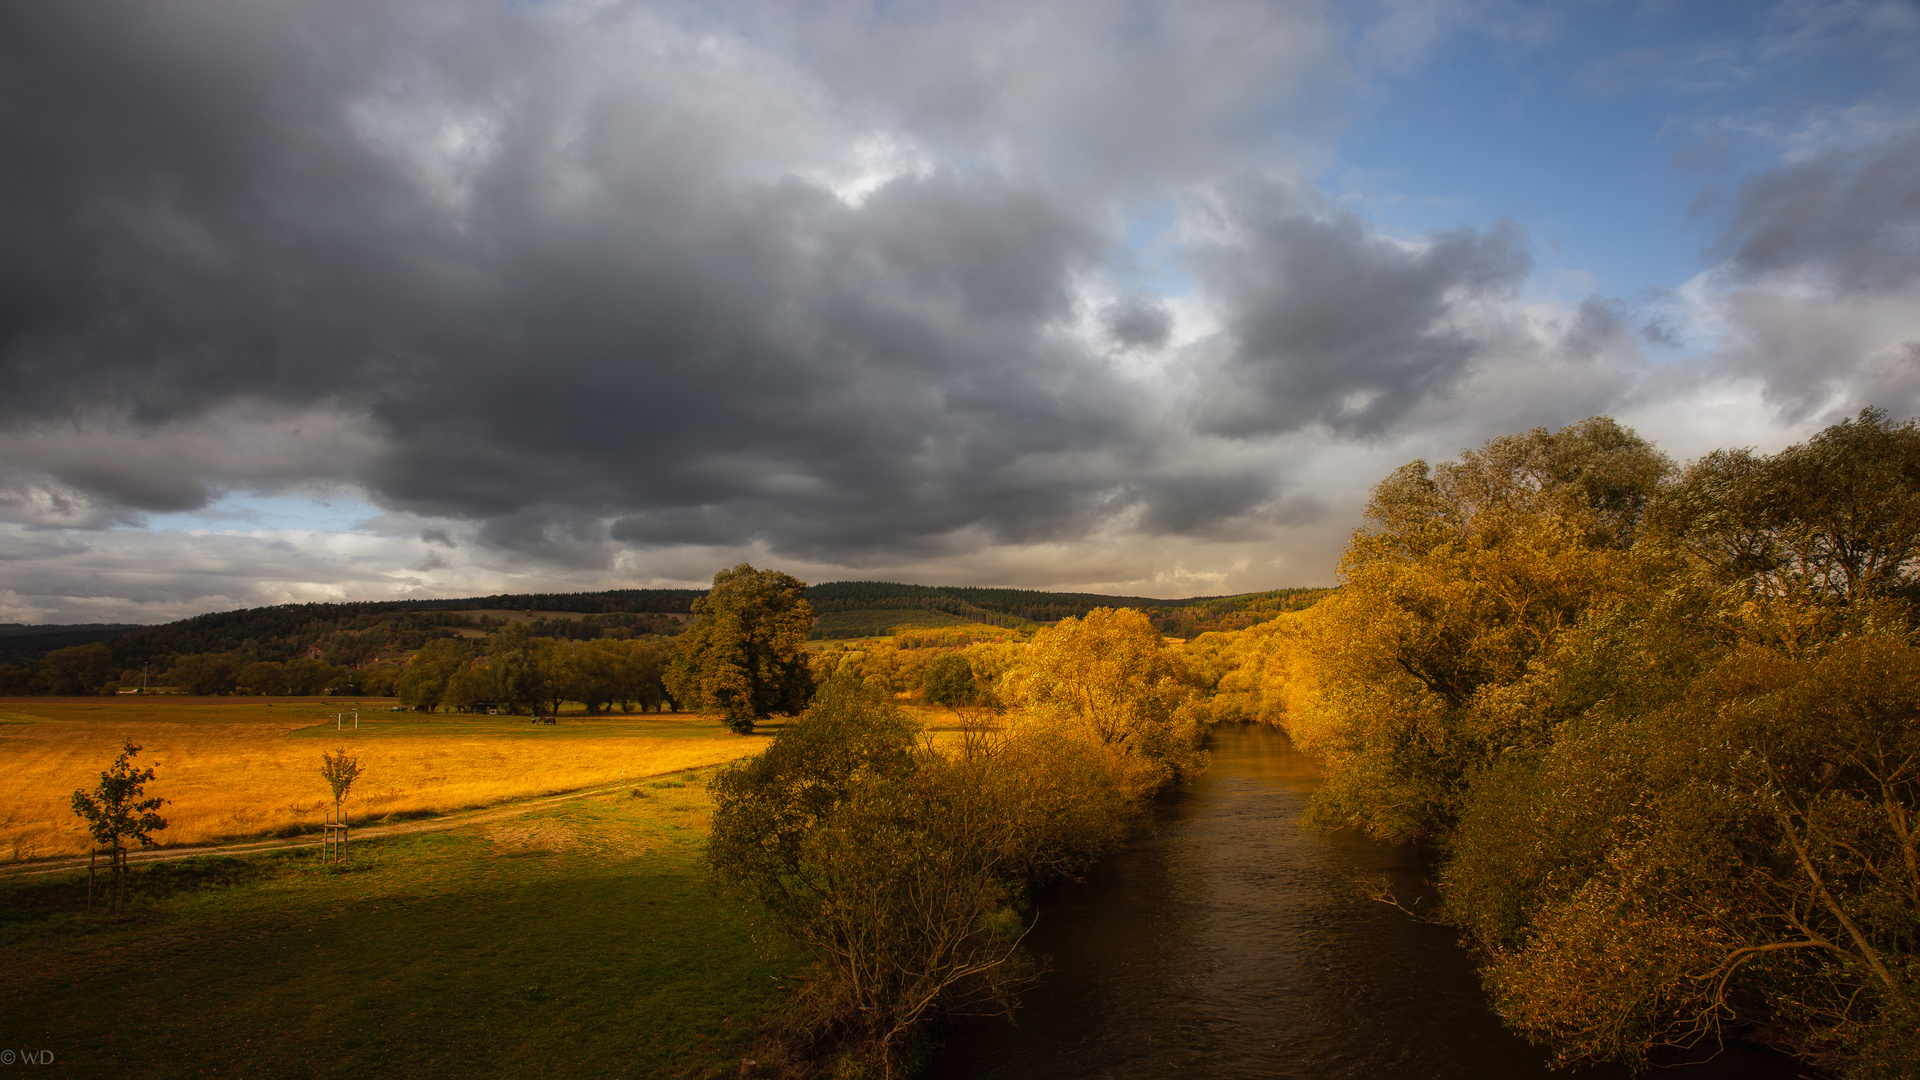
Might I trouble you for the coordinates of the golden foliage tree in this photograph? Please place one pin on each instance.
(1112, 677)
(1462, 575)
(1666, 727)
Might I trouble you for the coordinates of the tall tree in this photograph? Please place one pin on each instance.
(1462, 576)
(746, 654)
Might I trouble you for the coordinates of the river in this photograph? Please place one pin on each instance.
(1231, 942)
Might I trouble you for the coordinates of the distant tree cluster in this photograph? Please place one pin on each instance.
(1664, 724)
(518, 672)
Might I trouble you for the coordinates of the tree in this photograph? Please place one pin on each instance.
(424, 686)
(476, 682)
(267, 678)
(115, 813)
(1111, 678)
(950, 681)
(525, 670)
(1702, 812)
(81, 669)
(885, 861)
(1463, 575)
(639, 671)
(340, 771)
(1835, 519)
(746, 655)
(207, 673)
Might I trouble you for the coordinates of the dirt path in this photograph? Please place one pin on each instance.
(456, 820)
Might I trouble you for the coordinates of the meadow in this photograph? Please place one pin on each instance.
(236, 767)
(578, 939)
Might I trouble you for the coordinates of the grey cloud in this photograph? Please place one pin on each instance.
(1093, 95)
(1818, 357)
(1202, 504)
(568, 284)
(1138, 322)
(1853, 218)
(1331, 324)
(1598, 322)
(554, 296)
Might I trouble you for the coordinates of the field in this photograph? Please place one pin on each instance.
(879, 622)
(577, 940)
(245, 766)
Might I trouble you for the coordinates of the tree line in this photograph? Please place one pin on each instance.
(515, 671)
(1661, 725)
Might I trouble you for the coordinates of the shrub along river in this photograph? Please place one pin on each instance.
(1232, 942)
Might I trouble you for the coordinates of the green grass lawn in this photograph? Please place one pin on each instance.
(577, 941)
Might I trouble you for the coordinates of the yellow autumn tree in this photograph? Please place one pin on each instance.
(1112, 679)
(1462, 575)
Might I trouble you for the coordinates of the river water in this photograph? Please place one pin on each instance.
(1232, 942)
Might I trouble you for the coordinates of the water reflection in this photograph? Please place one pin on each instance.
(1232, 943)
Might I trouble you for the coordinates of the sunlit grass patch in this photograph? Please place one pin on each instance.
(245, 769)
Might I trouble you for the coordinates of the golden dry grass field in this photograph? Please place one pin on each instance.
(235, 767)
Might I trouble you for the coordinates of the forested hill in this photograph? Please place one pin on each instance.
(1021, 608)
(21, 639)
(357, 633)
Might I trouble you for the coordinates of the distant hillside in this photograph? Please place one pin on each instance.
(360, 633)
(876, 622)
(25, 640)
(357, 633)
(1025, 608)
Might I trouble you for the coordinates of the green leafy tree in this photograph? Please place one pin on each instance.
(746, 656)
(527, 671)
(950, 681)
(640, 670)
(424, 686)
(207, 673)
(475, 683)
(266, 677)
(884, 860)
(115, 813)
(1834, 520)
(81, 669)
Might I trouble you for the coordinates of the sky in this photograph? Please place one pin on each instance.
(378, 299)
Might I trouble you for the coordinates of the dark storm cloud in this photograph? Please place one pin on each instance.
(1853, 218)
(207, 217)
(586, 278)
(1334, 325)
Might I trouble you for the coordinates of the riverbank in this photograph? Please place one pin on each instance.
(1236, 941)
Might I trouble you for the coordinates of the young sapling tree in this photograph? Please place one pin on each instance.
(115, 812)
(340, 772)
